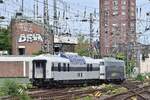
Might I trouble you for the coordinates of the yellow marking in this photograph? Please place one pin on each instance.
(133, 98)
(98, 94)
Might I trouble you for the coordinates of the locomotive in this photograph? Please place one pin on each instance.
(70, 68)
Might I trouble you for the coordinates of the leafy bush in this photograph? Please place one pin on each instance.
(12, 88)
(87, 98)
(29, 86)
(140, 77)
(24, 96)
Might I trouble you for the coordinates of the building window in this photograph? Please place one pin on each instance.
(115, 13)
(132, 25)
(124, 24)
(123, 13)
(123, 2)
(106, 25)
(132, 9)
(115, 3)
(106, 2)
(115, 8)
(123, 7)
(106, 32)
(21, 51)
(106, 13)
(106, 8)
(132, 3)
(132, 14)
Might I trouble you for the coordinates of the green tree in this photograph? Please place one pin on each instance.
(5, 40)
(130, 63)
(82, 48)
(130, 66)
(120, 56)
(38, 53)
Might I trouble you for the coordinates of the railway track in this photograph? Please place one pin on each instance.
(62, 94)
(134, 92)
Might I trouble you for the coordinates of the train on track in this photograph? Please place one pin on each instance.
(72, 69)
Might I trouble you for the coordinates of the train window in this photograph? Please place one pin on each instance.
(78, 74)
(81, 74)
(68, 67)
(64, 67)
(59, 67)
(88, 67)
(91, 67)
(52, 66)
(101, 63)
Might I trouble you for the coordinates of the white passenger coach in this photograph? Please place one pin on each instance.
(70, 68)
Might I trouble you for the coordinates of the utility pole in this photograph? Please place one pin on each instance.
(22, 6)
(37, 8)
(46, 15)
(46, 45)
(91, 35)
(55, 22)
(34, 10)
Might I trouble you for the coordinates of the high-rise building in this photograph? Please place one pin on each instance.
(117, 25)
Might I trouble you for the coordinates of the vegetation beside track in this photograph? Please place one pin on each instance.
(23, 92)
(14, 89)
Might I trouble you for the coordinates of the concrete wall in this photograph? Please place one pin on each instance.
(145, 65)
(14, 66)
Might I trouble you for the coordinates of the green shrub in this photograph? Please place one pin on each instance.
(12, 88)
(24, 96)
(140, 77)
(29, 86)
(87, 98)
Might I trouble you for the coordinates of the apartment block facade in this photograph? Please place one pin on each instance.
(117, 25)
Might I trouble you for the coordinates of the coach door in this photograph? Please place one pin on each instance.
(102, 70)
(39, 69)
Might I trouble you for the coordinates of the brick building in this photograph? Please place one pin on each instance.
(28, 37)
(117, 25)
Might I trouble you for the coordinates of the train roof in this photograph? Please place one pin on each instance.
(90, 60)
(73, 58)
(110, 60)
(53, 58)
